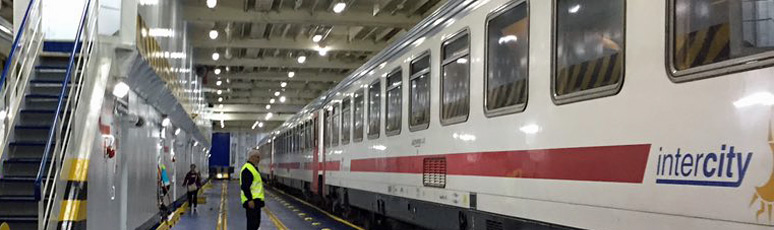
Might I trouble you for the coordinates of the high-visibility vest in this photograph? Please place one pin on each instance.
(256, 188)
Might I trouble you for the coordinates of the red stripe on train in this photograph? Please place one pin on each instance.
(330, 165)
(624, 163)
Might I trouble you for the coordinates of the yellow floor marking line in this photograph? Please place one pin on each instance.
(221, 220)
(323, 211)
(274, 219)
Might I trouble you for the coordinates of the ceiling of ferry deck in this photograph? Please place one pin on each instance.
(260, 41)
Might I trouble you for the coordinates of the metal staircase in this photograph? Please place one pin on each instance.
(35, 118)
(18, 201)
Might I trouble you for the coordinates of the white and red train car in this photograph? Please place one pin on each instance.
(503, 114)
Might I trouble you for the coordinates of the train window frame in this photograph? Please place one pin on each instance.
(362, 132)
(348, 112)
(372, 136)
(717, 69)
(428, 72)
(327, 114)
(517, 108)
(445, 61)
(398, 71)
(336, 131)
(594, 93)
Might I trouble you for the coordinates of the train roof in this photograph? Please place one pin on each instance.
(447, 13)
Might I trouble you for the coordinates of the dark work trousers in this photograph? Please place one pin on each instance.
(253, 218)
(193, 197)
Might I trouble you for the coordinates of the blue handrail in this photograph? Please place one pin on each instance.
(15, 44)
(65, 83)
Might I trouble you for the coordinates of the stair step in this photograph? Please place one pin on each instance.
(21, 222)
(31, 133)
(47, 89)
(43, 96)
(55, 61)
(51, 67)
(27, 149)
(40, 103)
(36, 117)
(17, 186)
(22, 167)
(13, 206)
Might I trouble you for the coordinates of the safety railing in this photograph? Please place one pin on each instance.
(60, 132)
(18, 68)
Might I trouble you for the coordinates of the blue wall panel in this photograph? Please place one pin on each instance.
(221, 144)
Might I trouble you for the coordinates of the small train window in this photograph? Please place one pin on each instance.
(310, 135)
(327, 127)
(507, 60)
(346, 121)
(335, 122)
(707, 36)
(394, 105)
(359, 113)
(455, 79)
(374, 109)
(419, 100)
(588, 49)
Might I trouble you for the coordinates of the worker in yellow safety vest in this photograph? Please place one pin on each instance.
(252, 190)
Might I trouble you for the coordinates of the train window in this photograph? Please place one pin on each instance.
(302, 136)
(394, 105)
(706, 36)
(455, 79)
(507, 60)
(588, 49)
(359, 115)
(346, 121)
(335, 125)
(374, 109)
(419, 100)
(308, 133)
(327, 127)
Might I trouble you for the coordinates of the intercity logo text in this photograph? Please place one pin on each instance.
(724, 168)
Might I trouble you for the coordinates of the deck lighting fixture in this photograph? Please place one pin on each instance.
(213, 34)
(301, 59)
(120, 90)
(291, 74)
(283, 84)
(317, 38)
(215, 56)
(212, 3)
(282, 99)
(339, 7)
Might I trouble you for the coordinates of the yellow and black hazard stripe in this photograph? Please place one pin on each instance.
(511, 93)
(702, 47)
(72, 214)
(590, 74)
